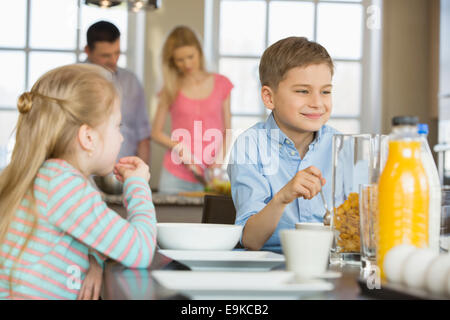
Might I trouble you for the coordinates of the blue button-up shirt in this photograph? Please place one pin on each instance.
(135, 120)
(263, 160)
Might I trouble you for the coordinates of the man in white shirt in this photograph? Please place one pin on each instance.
(103, 48)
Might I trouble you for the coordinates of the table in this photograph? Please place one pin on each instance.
(122, 283)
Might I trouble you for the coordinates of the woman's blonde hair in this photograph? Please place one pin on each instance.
(51, 114)
(180, 36)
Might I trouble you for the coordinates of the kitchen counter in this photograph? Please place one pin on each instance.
(160, 199)
(169, 208)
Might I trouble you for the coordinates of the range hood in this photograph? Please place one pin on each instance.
(133, 5)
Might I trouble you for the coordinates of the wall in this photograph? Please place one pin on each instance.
(159, 24)
(408, 61)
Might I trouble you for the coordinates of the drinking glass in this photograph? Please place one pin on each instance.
(357, 160)
(368, 213)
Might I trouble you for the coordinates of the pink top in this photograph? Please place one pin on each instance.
(191, 118)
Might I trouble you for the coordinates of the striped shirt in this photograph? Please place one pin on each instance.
(73, 221)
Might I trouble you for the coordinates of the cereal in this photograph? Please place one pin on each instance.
(346, 223)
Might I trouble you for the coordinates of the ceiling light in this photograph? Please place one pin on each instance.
(133, 5)
(103, 3)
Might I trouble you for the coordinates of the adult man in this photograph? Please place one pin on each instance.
(103, 48)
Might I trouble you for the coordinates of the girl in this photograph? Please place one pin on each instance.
(52, 218)
(197, 102)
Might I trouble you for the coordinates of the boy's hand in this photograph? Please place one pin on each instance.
(306, 183)
(92, 284)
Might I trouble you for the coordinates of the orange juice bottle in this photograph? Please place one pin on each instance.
(403, 192)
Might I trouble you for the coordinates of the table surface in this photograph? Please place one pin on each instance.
(121, 283)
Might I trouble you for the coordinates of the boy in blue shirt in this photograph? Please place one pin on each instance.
(277, 167)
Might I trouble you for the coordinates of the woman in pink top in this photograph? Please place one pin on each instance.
(199, 106)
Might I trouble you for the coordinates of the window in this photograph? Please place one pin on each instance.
(237, 42)
(42, 35)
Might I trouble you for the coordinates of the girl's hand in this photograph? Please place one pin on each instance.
(92, 284)
(131, 167)
(306, 183)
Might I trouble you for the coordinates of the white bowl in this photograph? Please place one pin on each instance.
(311, 226)
(198, 236)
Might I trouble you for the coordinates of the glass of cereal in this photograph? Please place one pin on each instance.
(357, 160)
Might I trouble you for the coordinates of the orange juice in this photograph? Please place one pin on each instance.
(403, 199)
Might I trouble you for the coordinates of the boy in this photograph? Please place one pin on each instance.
(295, 76)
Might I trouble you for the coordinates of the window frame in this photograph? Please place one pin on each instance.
(133, 53)
(371, 59)
(135, 59)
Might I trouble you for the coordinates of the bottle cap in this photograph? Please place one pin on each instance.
(405, 121)
(422, 128)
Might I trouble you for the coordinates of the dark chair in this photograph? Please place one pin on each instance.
(218, 209)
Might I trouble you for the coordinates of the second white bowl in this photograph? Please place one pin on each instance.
(198, 236)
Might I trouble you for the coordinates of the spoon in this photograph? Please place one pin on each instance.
(327, 216)
(198, 169)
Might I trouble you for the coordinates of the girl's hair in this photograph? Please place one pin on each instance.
(179, 37)
(51, 114)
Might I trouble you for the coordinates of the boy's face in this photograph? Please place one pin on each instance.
(302, 101)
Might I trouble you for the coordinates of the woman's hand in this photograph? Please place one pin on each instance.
(183, 154)
(131, 167)
(92, 284)
(215, 165)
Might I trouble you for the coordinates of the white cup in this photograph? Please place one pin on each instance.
(306, 251)
(311, 226)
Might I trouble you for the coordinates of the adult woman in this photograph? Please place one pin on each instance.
(199, 106)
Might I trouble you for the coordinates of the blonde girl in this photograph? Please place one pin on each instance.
(54, 225)
(197, 101)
